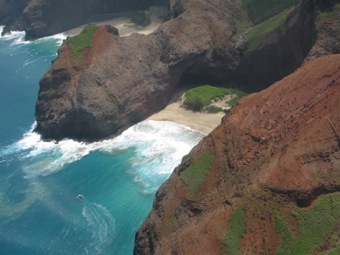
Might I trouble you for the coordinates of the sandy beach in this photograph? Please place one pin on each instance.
(203, 122)
(124, 25)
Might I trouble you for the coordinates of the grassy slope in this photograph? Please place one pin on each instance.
(317, 225)
(311, 230)
(261, 10)
(81, 41)
(194, 176)
(265, 16)
(259, 32)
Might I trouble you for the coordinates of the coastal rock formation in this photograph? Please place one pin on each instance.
(11, 14)
(118, 81)
(266, 181)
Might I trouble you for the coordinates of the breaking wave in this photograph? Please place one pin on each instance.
(158, 147)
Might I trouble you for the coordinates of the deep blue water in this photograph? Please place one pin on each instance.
(40, 181)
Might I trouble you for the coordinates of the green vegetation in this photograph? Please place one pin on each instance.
(213, 109)
(81, 41)
(328, 13)
(199, 98)
(238, 95)
(140, 18)
(259, 32)
(280, 225)
(261, 10)
(231, 241)
(196, 173)
(315, 223)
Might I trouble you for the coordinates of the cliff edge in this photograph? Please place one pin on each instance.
(266, 181)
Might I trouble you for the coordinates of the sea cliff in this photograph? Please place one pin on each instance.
(265, 181)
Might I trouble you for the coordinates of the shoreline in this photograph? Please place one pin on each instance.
(202, 122)
(124, 25)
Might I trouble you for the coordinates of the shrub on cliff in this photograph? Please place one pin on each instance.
(140, 18)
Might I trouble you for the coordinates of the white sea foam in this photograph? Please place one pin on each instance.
(18, 37)
(15, 36)
(59, 38)
(159, 147)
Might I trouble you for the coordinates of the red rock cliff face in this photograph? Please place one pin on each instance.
(274, 153)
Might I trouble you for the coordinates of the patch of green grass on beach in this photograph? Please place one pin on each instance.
(199, 98)
(194, 176)
(81, 41)
(238, 94)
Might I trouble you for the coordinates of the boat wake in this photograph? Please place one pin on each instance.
(101, 224)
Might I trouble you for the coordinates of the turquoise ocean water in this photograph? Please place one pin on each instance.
(40, 181)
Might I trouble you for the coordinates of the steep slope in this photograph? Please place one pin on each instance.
(266, 181)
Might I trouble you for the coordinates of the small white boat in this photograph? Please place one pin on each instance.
(80, 197)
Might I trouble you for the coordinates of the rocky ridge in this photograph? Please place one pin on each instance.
(245, 188)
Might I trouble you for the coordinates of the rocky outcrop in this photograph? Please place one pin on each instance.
(119, 81)
(141, 72)
(11, 14)
(253, 184)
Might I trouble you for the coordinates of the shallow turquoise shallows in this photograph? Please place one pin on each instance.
(70, 197)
